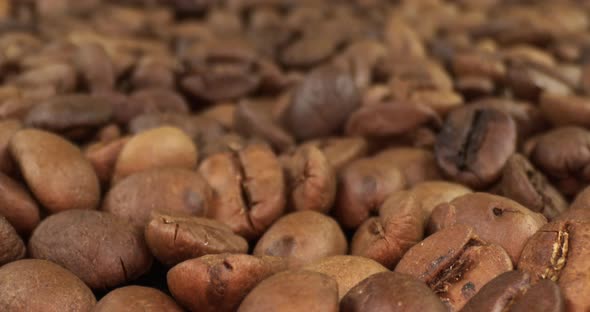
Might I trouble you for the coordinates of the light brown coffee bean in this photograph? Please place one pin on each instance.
(132, 298)
(12, 247)
(416, 164)
(8, 128)
(18, 206)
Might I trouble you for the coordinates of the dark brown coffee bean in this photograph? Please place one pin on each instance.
(101, 249)
(18, 206)
(293, 291)
(219, 282)
(294, 237)
(563, 155)
(558, 251)
(12, 247)
(253, 118)
(8, 128)
(500, 293)
(73, 183)
(173, 238)
(175, 150)
(95, 66)
(389, 118)
(341, 151)
(524, 184)
(474, 145)
(165, 190)
(71, 115)
(545, 296)
(322, 102)
(249, 189)
(391, 291)
(363, 186)
(133, 298)
(155, 72)
(348, 271)
(311, 180)
(416, 164)
(455, 264)
(496, 219)
(40, 285)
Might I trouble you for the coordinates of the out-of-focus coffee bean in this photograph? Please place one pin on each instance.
(174, 150)
(294, 237)
(18, 206)
(322, 102)
(60, 76)
(12, 247)
(558, 251)
(95, 66)
(40, 155)
(363, 186)
(348, 271)
(173, 238)
(562, 154)
(165, 190)
(565, 110)
(455, 264)
(41, 285)
(219, 282)
(8, 128)
(131, 298)
(249, 188)
(293, 291)
(340, 151)
(494, 219)
(224, 114)
(416, 164)
(524, 184)
(474, 145)
(529, 81)
(391, 291)
(311, 180)
(103, 157)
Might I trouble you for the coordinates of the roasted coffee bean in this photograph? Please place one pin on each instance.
(391, 291)
(524, 184)
(40, 285)
(563, 155)
(341, 151)
(175, 150)
(249, 189)
(474, 145)
(101, 249)
(322, 102)
(565, 110)
(293, 237)
(496, 220)
(348, 271)
(219, 282)
(416, 164)
(512, 291)
(293, 291)
(165, 190)
(196, 127)
(18, 206)
(173, 238)
(40, 155)
(558, 252)
(12, 247)
(103, 157)
(132, 298)
(363, 186)
(455, 263)
(310, 180)
(95, 66)
(8, 128)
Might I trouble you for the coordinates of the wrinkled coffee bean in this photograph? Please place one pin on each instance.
(131, 298)
(293, 291)
(293, 238)
(249, 189)
(101, 249)
(165, 190)
(524, 184)
(322, 103)
(474, 145)
(40, 285)
(219, 282)
(496, 220)
(348, 271)
(455, 263)
(18, 206)
(12, 247)
(391, 291)
(558, 252)
(174, 238)
(311, 180)
(41, 154)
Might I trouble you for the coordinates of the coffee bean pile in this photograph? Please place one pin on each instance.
(294, 155)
